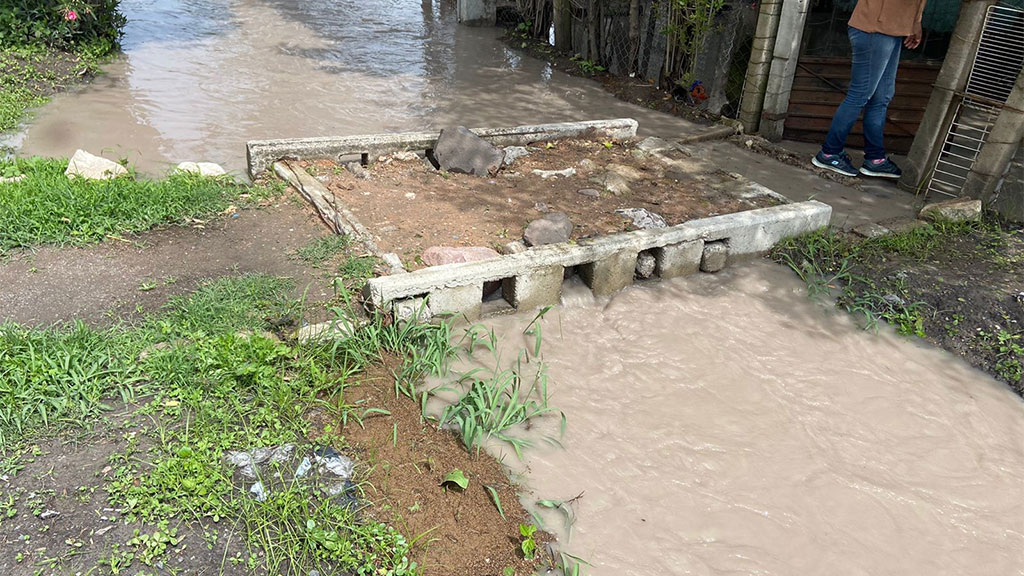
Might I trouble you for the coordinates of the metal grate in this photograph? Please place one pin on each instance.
(996, 66)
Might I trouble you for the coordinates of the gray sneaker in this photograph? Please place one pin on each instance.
(884, 169)
(839, 163)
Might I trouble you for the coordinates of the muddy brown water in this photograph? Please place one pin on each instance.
(201, 77)
(726, 424)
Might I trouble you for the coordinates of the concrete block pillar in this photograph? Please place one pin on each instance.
(956, 68)
(410, 309)
(459, 300)
(538, 287)
(477, 12)
(752, 100)
(610, 274)
(783, 68)
(678, 259)
(998, 150)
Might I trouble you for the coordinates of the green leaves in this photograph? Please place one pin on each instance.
(494, 498)
(528, 545)
(455, 479)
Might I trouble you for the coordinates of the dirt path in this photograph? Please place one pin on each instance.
(121, 279)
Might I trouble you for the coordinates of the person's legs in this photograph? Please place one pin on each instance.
(872, 54)
(875, 110)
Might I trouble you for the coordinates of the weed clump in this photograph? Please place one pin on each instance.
(949, 282)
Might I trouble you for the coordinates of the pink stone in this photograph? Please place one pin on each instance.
(439, 255)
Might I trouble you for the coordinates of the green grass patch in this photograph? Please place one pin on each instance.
(353, 267)
(47, 208)
(30, 75)
(319, 251)
(207, 375)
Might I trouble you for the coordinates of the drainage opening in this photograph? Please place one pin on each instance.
(497, 297)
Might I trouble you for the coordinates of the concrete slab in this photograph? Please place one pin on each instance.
(874, 200)
(749, 232)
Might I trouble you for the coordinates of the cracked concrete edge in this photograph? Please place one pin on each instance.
(261, 154)
(748, 232)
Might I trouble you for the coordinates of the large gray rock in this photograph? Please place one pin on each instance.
(642, 218)
(85, 165)
(956, 210)
(459, 150)
(552, 228)
(441, 255)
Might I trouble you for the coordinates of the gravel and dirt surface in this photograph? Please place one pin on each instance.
(123, 278)
(409, 206)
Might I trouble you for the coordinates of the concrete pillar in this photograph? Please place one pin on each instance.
(784, 60)
(538, 287)
(999, 148)
(759, 65)
(611, 274)
(956, 68)
(459, 300)
(477, 12)
(678, 259)
(1009, 197)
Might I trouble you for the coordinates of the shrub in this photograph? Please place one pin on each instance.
(94, 25)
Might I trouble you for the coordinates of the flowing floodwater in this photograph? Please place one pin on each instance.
(201, 77)
(726, 424)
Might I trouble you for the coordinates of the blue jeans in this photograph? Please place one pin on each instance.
(872, 85)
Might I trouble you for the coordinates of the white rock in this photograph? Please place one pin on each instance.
(11, 179)
(202, 168)
(545, 174)
(406, 156)
(85, 165)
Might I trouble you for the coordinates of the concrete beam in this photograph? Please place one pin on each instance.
(262, 154)
(784, 60)
(749, 232)
(952, 79)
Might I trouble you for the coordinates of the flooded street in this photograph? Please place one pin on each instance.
(201, 77)
(726, 424)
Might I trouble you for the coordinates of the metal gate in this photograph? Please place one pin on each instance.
(996, 67)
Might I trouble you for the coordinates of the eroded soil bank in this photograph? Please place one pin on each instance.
(727, 424)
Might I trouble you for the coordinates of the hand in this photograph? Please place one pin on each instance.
(914, 40)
